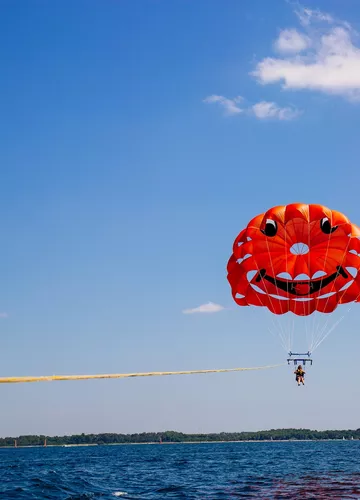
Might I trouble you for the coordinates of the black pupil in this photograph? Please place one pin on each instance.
(326, 226)
(270, 228)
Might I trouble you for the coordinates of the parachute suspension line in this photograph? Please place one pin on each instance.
(53, 378)
(347, 311)
(342, 261)
(318, 326)
(285, 337)
(336, 324)
(279, 337)
(342, 317)
(319, 331)
(306, 329)
(280, 333)
(319, 335)
(309, 330)
(313, 330)
(324, 333)
(329, 331)
(291, 330)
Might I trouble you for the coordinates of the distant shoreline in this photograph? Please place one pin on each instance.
(175, 437)
(178, 443)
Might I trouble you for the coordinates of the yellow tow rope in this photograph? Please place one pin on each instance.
(52, 378)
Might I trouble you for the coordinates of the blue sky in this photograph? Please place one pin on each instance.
(138, 139)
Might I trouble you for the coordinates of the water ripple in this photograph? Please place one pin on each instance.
(312, 470)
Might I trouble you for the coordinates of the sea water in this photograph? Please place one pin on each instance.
(326, 469)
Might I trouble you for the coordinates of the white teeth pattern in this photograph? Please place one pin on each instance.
(251, 275)
(285, 276)
(257, 289)
(279, 297)
(318, 274)
(326, 295)
(239, 261)
(301, 277)
(352, 270)
(346, 286)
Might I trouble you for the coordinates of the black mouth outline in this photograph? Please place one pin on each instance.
(290, 286)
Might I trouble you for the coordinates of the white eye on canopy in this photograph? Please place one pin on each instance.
(270, 228)
(325, 226)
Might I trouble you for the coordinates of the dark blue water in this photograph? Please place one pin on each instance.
(186, 471)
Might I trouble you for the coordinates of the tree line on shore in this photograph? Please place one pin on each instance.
(179, 437)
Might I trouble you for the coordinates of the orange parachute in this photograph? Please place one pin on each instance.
(298, 258)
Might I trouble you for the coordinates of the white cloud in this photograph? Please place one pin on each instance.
(261, 110)
(308, 16)
(331, 63)
(291, 40)
(230, 105)
(265, 110)
(210, 307)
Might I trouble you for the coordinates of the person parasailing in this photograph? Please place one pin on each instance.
(299, 375)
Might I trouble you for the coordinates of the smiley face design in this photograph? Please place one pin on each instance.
(298, 258)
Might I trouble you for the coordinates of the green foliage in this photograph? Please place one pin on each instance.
(179, 437)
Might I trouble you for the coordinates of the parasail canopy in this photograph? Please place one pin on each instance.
(296, 258)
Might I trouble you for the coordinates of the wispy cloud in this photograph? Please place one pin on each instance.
(268, 110)
(261, 110)
(210, 307)
(4, 315)
(308, 16)
(230, 106)
(323, 58)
